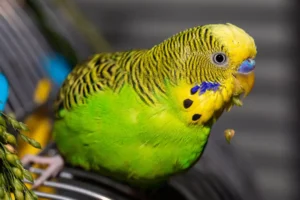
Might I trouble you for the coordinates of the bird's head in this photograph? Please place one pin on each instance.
(216, 61)
(233, 55)
(221, 54)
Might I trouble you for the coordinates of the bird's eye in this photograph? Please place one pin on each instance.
(219, 59)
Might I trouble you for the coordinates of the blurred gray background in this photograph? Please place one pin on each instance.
(264, 125)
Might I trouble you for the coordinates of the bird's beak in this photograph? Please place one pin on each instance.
(245, 83)
(245, 77)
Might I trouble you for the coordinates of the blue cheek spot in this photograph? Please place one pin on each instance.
(247, 66)
(208, 86)
(204, 86)
(195, 89)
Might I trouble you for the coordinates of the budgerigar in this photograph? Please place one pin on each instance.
(142, 116)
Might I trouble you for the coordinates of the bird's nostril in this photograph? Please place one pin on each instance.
(247, 66)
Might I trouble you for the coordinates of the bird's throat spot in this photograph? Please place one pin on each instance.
(187, 103)
(196, 117)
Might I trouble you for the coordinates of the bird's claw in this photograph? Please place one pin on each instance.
(55, 165)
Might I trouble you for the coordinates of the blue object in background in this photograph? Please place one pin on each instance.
(57, 68)
(4, 91)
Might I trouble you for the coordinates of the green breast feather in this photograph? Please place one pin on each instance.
(118, 135)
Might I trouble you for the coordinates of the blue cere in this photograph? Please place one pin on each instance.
(247, 66)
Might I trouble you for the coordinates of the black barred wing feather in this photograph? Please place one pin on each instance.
(98, 72)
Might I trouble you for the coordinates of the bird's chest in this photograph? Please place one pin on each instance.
(154, 145)
(152, 141)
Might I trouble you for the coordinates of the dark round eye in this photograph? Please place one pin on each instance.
(220, 58)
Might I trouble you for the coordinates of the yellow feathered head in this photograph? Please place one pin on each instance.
(234, 52)
(217, 54)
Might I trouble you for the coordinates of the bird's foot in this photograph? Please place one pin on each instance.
(55, 165)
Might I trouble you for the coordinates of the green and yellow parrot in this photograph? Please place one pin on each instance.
(142, 116)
